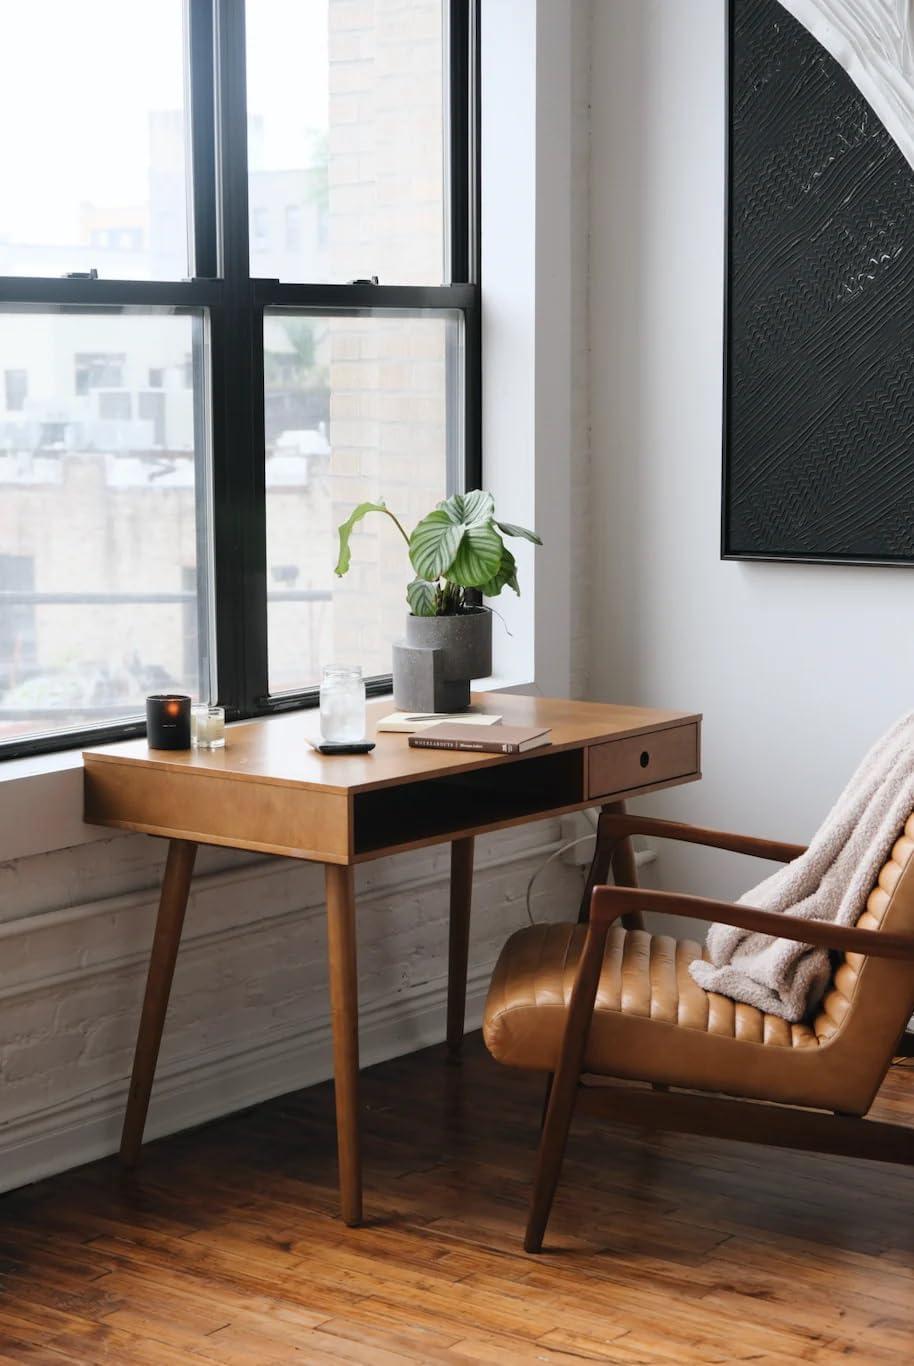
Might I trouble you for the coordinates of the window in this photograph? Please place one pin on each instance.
(295, 219)
(17, 622)
(98, 371)
(351, 403)
(97, 164)
(200, 379)
(16, 388)
(115, 407)
(95, 527)
(152, 408)
(260, 223)
(352, 97)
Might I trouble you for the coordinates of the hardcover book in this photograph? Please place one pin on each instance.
(486, 739)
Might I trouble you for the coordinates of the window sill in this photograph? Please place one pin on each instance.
(41, 798)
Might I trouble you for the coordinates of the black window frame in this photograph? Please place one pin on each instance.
(231, 411)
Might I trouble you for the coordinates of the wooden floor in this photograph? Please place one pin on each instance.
(225, 1247)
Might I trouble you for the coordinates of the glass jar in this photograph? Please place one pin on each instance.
(207, 727)
(342, 704)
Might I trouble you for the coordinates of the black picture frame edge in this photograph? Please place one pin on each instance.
(726, 553)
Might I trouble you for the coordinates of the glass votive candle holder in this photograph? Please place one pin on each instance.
(207, 726)
(342, 704)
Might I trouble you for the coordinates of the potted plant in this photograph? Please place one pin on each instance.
(457, 548)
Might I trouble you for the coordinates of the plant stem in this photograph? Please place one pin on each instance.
(397, 524)
(448, 599)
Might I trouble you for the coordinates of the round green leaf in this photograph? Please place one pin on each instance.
(420, 594)
(478, 556)
(434, 544)
(469, 508)
(474, 507)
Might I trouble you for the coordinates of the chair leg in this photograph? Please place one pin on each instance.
(564, 1086)
(549, 1158)
(550, 1078)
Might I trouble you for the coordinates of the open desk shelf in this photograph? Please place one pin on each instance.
(467, 802)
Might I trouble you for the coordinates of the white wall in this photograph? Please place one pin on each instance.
(535, 195)
(795, 667)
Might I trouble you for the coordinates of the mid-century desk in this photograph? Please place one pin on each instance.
(269, 791)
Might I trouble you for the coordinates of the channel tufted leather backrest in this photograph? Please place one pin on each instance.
(870, 1000)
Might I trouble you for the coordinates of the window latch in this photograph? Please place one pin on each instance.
(370, 280)
(81, 274)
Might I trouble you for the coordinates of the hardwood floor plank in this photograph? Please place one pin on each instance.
(225, 1245)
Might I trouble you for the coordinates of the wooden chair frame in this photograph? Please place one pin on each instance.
(688, 1111)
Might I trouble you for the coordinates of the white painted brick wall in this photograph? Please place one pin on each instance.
(248, 1015)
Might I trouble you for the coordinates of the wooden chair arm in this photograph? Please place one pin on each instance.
(609, 903)
(622, 825)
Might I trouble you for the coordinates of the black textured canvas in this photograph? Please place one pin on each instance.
(819, 385)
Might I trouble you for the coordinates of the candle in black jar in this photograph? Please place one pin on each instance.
(168, 721)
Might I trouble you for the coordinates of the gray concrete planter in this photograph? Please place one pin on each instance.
(434, 665)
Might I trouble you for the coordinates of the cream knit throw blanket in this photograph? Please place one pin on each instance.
(831, 881)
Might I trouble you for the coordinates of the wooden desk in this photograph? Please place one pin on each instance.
(269, 791)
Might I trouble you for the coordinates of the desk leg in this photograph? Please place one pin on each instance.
(625, 870)
(459, 942)
(344, 1012)
(179, 869)
(598, 872)
(618, 855)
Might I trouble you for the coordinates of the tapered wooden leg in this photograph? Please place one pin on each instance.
(625, 870)
(459, 942)
(598, 872)
(564, 1085)
(344, 1014)
(618, 854)
(549, 1158)
(550, 1078)
(179, 867)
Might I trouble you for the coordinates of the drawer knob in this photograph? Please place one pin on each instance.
(645, 758)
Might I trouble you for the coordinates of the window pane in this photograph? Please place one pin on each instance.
(99, 519)
(93, 151)
(345, 140)
(356, 409)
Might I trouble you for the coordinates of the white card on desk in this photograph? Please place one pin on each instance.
(406, 722)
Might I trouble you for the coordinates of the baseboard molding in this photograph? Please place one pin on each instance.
(216, 1084)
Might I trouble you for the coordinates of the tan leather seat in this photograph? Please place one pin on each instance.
(651, 1022)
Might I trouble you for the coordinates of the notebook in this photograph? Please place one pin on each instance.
(407, 721)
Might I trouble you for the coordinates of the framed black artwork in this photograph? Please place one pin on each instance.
(819, 313)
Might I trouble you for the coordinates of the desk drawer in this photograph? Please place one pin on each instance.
(642, 760)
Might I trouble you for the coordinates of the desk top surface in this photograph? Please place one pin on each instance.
(274, 749)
